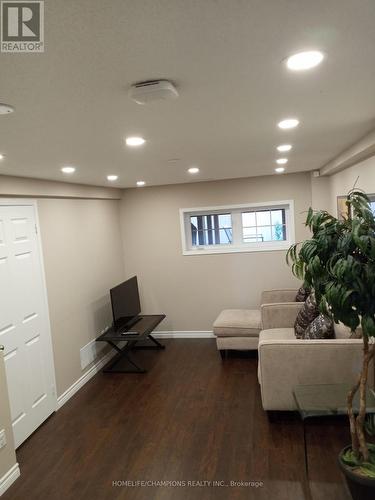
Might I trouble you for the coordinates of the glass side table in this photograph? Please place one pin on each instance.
(324, 400)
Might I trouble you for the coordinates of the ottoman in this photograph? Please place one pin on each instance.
(237, 329)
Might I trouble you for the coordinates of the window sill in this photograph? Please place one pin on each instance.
(243, 249)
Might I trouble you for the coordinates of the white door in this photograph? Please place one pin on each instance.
(24, 323)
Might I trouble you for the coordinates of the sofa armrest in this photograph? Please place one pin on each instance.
(280, 315)
(278, 296)
(284, 364)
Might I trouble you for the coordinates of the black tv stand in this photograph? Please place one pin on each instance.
(128, 327)
(142, 333)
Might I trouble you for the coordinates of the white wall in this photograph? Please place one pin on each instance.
(192, 290)
(361, 176)
(21, 186)
(321, 193)
(83, 259)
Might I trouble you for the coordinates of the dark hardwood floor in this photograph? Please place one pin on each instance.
(192, 417)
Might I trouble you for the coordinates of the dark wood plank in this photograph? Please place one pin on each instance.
(192, 417)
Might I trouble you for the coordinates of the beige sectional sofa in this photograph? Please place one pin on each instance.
(239, 329)
(285, 361)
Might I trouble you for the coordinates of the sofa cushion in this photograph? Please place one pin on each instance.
(302, 294)
(280, 334)
(344, 332)
(306, 315)
(238, 323)
(320, 328)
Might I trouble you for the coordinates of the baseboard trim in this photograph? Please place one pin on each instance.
(8, 479)
(78, 384)
(96, 367)
(184, 335)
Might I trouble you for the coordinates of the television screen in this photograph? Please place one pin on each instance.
(125, 303)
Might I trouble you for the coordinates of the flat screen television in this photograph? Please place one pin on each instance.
(125, 304)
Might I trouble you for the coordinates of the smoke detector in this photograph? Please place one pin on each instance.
(5, 109)
(155, 90)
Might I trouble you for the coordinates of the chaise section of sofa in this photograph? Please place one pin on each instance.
(238, 329)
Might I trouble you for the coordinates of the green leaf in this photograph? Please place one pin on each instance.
(350, 459)
(338, 262)
(367, 469)
(368, 325)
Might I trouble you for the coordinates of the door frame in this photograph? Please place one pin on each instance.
(32, 202)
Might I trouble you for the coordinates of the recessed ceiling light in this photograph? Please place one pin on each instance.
(68, 170)
(284, 147)
(279, 170)
(141, 183)
(5, 109)
(193, 170)
(134, 141)
(282, 161)
(112, 177)
(288, 123)
(2, 156)
(304, 60)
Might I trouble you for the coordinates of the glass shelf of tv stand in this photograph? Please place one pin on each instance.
(142, 329)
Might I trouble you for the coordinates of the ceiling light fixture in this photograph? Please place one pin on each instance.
(2, 156)
(304, 60)
(134, 141)
(283, 148)
(68, 170)
(5, 109)
(112, 178)
(288, 123)
(141, 183)
(282, 161)
(193, 170)
(279, 170)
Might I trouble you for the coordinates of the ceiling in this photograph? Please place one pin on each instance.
(227, 59)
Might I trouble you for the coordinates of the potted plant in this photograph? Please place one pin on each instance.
(338, 263)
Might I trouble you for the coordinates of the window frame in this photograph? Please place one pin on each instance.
(238, 246)
(204, 214)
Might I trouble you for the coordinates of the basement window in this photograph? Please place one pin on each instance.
(237, 228)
